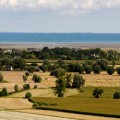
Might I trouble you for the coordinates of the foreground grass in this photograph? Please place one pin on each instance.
(84, 102)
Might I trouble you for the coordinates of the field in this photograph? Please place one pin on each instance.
(82, 102)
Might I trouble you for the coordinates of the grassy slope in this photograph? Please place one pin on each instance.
(84, 102)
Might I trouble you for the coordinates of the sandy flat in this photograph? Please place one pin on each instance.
(69, 45)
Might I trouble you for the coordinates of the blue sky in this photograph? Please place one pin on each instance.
(60, 16)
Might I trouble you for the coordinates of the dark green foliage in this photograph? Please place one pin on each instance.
(79, 68)
(31, 69)
(68, 80)
(24, 78)
(45, 65)
(27, 74)
(118, 70)
(60, 63)
(103, 63)
(19, 63)
(116, 95)
(78, 81)
(36, 78)
(60, 87)
(88, 69)
(28, 95)
(97, 92)
(16, 88)
(97, 69)
(4, 91)
(26, 86)
(60, 72)
(110, 70)
(1, 77)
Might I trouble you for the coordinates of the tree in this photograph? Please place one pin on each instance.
(60, 72)
(60, 87)
(97, 92)
(118, 70)
(26, 86)
(116, 95)
(4, 91)
(78, 81)
(45, 65)
(16, 88)
(110, 70)
(28, 95)
(79, 68)
(36, 78)
(60, 62)
(103, 63)
(31, 69)
(1, 77)
(97, 69)
(88, 69)
(19, 63)
(24, 78)
(68, 80)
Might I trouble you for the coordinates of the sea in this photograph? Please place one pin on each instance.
(84, 38)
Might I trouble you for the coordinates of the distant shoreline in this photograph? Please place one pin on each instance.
(53, 45)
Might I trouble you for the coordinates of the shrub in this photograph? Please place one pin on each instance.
(118, 70)
(24, 78)
(78, 81)
(97, 69)
(1, 77)
(16, 88)
(36, 78)
(28, 95)
(116, 95)
(26, 86)
(110, 70)
(4, 91)
(88, 69)
(31, 69)
(80, 69)
(35, 86)
(27, 74)
(35, 104)
(97, 92)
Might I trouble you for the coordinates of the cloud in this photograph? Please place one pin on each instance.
(64, 6)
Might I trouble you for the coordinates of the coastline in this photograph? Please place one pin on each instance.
(53, 45)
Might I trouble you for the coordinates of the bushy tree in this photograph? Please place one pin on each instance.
(97, 92)
(19, 63)
(118, 70)
(88, 69)
(110, 70)
(79, 68)
(28, 95)
(31, 69)
(60, 87)
(103, 63)
(78, 81)
(68, 80)
(97, 69)
(1, 77)
(4, 91)
(60, 72)
(16, 88)
(60, 63)
(26, 86)
(116, 95)
(36, 78)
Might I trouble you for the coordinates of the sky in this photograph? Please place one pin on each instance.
(99, 16)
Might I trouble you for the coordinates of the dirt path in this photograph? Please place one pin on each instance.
(5, 115)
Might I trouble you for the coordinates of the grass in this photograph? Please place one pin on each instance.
(84, 102)
(66, 61)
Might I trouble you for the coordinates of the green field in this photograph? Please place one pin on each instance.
(84, 102)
